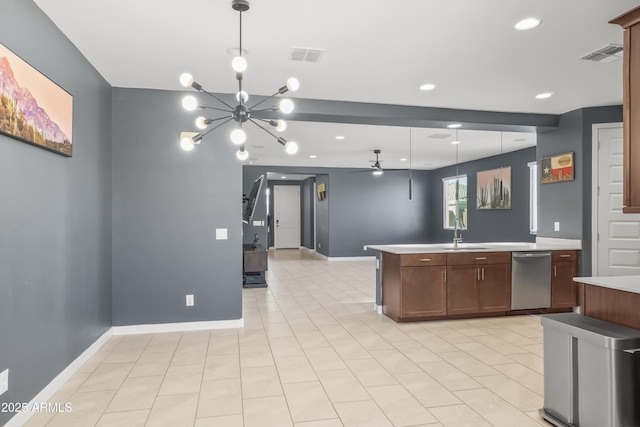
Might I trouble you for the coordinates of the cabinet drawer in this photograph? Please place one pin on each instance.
(421, 260)
(558, 256)
(479, 258)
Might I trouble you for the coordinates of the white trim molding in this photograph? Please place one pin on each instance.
(177, 327)
(377, 308)
(50, 389)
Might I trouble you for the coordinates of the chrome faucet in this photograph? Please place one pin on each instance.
(457, 238)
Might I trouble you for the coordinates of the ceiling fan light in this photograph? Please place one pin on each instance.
(238, 136)
(186, 79)
(293, 84)
(189, 103)
(239, 64)
(281, 126)
(378, 172)
(201, 123)
(291, 147)
(286, 106)
(242, 154)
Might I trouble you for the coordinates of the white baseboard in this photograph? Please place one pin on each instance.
(322, 255)
(22, 417)
(177, 327)
(377, 308)
(351, 258)
(307, 249)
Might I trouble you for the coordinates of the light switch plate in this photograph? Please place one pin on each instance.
(221, 234)
(556, 226)
(189, 300)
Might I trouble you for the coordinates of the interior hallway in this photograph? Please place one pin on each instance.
(314, 353)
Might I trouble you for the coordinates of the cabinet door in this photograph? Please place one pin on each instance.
(423, 292)
(462, 297)
(494, 288)
(563, 290)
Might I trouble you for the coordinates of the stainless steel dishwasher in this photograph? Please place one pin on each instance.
(530, 280)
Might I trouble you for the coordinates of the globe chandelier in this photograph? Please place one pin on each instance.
(240, 113)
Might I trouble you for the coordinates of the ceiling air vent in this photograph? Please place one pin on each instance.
(608, 53)
(440, 135)
(306, 54)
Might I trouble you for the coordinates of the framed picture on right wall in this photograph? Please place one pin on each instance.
(557, 168)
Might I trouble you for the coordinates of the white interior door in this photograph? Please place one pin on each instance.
(618, 235)
(286, 206)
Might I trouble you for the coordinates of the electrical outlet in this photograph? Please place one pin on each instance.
(556, 226)
(365, 247)
(319, 245)
(4, 381)
(189, 300)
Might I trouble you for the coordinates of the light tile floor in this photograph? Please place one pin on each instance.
(313, 353)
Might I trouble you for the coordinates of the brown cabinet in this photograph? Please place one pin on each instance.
(564, 267)
(478, 282)
(630, 21)
(413, 286)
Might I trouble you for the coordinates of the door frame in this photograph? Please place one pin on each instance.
(595, 161)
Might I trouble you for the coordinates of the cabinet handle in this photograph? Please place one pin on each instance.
(478, 273)
(565, 256)
(480, 258)
(444, 275)
(424, 259)
(482, 273)
(555, 271)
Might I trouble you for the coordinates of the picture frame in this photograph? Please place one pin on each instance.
(494, 189)
(558, 168)
(322, 191)
(33, 108)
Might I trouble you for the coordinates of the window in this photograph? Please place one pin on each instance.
(533, 197)
(453, 209)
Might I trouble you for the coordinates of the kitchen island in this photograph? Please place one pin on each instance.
(613, 299)
(443, 281)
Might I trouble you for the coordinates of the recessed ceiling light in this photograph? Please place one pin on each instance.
(454, 125)
(339, 137)
(427, 86)
(527, 24)
(284, 177)
(313, 156)
(544, 95)
(403, 160)
(455, 142)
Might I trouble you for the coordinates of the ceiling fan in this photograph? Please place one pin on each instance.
(376, 168)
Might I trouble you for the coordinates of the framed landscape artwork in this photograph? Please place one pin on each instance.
(494, 189)
(557, 168)
(34, 109)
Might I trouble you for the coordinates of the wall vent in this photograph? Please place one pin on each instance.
(305, 54)
(608, 53)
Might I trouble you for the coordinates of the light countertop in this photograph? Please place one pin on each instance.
(620, 283)
(542, 244)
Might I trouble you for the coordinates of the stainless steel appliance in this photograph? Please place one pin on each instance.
(591, 372)
(530, 280)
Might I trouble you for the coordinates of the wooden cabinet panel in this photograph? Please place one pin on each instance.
(494, 288)
(423, 292)
(391, 287)
(479, 258)
(462, 296)
(630, 21)
(564, 292)
(564, 256)
(421, 260)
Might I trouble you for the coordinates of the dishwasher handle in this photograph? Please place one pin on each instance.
(520, 255)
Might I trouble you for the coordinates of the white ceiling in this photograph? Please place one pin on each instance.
(377, 51)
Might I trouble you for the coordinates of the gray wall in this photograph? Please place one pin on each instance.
(55, 241)
(323, 245)
(307, 213)
(486, 225)
(167, 205)
(570, 202)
